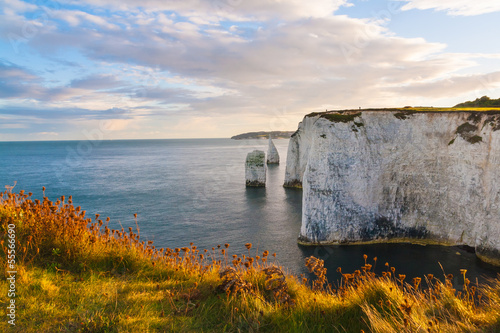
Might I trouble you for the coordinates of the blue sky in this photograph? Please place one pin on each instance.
(197, 69)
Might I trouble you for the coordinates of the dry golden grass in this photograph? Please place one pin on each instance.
(75, 274)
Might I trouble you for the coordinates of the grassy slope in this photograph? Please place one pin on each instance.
(77, 275)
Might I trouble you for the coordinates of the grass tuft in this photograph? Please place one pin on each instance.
(341, 117)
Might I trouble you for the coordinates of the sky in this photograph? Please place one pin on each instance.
(153, 69)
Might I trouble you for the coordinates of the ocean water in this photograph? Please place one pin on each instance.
(194, 191)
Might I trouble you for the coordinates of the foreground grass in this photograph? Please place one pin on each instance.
(74, 274)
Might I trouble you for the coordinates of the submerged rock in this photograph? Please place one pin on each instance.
(255, 169)
(384, 176)
(272, 153)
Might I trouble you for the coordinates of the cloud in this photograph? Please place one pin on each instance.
(15, 6)
(18, 82)
(237, 10)
(298, 50)
(63, 114)
(48, 133)
(117, 124)
(162, 63)
(452, 86)
(77, 17)
(302, 63)
(12, 126)
(9, 70)
(96, 82)
(455, 7)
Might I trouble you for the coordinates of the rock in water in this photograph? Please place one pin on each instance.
(255, 169)
(379, 176)
(272, 153)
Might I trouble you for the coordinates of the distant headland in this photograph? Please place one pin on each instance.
(264, 135)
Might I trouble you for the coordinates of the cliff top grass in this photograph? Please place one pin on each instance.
(411, 110)
(483, 104)
(484, 101)
(75, 274)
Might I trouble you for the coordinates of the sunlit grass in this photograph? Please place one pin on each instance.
(75, 274)
(434, 109)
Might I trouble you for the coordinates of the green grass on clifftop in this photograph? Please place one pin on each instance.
(484, 101)
(75, 274)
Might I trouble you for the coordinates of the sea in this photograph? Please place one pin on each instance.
(193, 190)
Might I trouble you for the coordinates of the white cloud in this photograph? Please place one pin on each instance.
(178, 71)
(201, 20)
(231, 9)
(455, 7)
(290, 9)
(16, 6)
(455, 85)
(117, 124)
(300, 64)
(48, 133)
(76, 17)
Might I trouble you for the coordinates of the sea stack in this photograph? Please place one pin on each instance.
(255, 169)
(272, 153)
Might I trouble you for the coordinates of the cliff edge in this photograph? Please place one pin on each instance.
(399, 175)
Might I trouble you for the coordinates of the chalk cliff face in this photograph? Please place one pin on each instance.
(379, 176)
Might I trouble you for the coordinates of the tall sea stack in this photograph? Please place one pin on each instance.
(272, 153)
(255, 169)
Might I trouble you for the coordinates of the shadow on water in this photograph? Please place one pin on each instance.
(294, 198)
(255, 196)
(273, 176)
(409, 259)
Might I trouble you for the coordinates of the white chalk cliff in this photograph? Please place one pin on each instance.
(255, 169)
(272, 153)
(382, 176)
